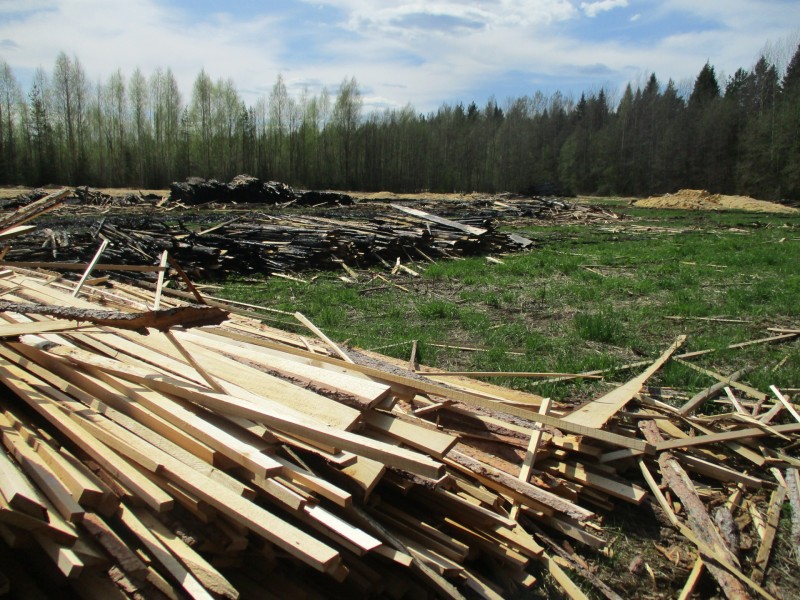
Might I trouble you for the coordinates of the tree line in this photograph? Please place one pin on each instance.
(738, 135)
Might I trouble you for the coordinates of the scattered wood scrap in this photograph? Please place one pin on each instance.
(235, 460)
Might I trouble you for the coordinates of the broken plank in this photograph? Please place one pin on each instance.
(596, 413)
(203, 571)
(472, 230)
(698, 399)
(163, 556)
(765, 549)
(726, 436)
(524, 492)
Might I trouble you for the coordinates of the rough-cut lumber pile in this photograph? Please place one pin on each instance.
(239, 461)
(517, 208)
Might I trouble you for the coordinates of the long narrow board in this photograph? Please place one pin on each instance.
(362, 389)
(597, 413)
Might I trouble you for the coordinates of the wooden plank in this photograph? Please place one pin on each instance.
(471, 229)
(730, 381)
(225, 442)
(65, 559)
(708, 393)
(242, 511)
(523, 374)
(165, 445)
(13, 330)
(596, 413)
(765, 549)
(718, 472)
(89, 268)
(575, 471)
(571, 529)
(691, 581)
(37, 470)
(567, 585)
(160, 280)
(321, 486)
(18, 491)
(279, 417)
(366, 473)
(88, 389)
(469, 398)
(84, 491)
(343, 355)
(433, 442)
(189, 357)
(164, 557)
(12, 232)
(360, 388)
(58, 530)
(530, 454)
(209, 577)
(359, 541)
(782, 399)
(261, 384)
(726, 436)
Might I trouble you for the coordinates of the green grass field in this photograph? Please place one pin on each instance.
(585, 298)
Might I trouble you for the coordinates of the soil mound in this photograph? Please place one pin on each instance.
(705, 200)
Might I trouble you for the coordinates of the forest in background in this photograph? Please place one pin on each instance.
(740, 135)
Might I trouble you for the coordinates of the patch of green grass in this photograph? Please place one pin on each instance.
(587, 297)
(599, 326)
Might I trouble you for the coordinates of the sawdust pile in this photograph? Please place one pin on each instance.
(705, 200)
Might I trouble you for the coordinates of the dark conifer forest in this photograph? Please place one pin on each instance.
(738, 134)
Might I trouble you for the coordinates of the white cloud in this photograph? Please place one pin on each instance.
(16, 6)
(401, 51)
(110, 35)
(636, 17)
(592, 9)
(386, 14)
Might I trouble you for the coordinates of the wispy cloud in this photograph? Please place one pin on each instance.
(592, 9)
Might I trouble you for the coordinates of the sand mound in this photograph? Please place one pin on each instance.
(704, 200)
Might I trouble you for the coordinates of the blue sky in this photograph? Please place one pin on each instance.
(418, 52)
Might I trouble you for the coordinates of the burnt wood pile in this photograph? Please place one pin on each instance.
(246, 189)
(261, 243)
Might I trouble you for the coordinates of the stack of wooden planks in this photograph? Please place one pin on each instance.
(234, 460)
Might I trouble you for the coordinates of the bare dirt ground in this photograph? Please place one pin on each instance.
(14, 191)
(703, 200)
